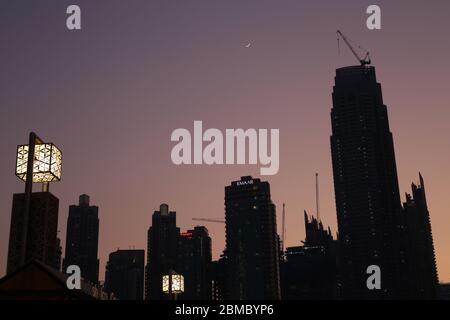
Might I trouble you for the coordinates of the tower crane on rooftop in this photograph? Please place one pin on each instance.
(363, 61)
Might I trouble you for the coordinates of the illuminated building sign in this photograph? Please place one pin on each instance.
(186, 234)
(243, 183)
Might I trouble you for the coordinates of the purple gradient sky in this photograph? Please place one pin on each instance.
(110, 95)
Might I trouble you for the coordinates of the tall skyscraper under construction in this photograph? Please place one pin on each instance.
(366, 186)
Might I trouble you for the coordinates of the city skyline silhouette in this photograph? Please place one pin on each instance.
(110, 96)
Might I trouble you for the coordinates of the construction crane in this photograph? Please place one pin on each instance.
(283, 231)
(364, 61)
(317, 197)
(208, 220)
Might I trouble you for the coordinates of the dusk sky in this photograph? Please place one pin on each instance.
(110, 95)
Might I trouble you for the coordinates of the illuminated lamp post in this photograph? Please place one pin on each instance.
(42, 162)
(173, 284)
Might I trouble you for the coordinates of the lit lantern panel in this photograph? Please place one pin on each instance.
(165, 286)
(47, 163)
(177, 283)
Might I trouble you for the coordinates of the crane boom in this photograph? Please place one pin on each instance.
(364, 61)
(208, 220)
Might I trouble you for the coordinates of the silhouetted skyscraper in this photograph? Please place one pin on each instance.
(251, 241)
(82, 239)
(125, 274)
(365, 182)
(162, 252)
(310, 271)
(219, 271)
(194, 263)
(41, 229)
(421, 262)
(316, 235)
(58, 258)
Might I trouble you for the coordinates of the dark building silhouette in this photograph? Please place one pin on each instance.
(218, 278)
(58, 258)
(366, 185)
(125, 274)
(280, 246)
(194, 263)
(310, 271)
(41, 229)
(37, 281)
(82, 239)
(421, 262)
(444, 291)
(251, 241)
(316, 235)
(162, 245)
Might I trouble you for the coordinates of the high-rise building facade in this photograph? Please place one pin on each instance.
(365, 182)
(124, 275)
(310, 271)
(41, 229)
(219, 278)
(316, 235)
(194, 263)
(58, 257)
(251, 241)
(82, 239)
(162, 251)
(421, 262)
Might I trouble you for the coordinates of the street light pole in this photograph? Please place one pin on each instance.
(33, 139)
